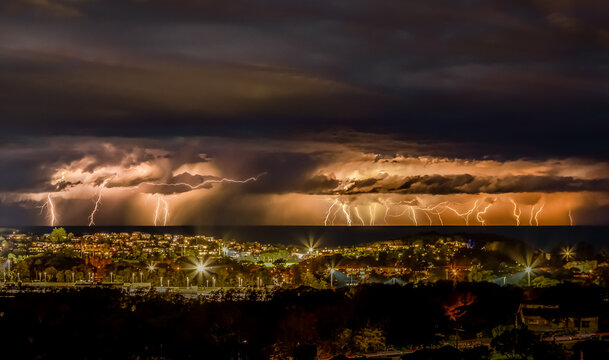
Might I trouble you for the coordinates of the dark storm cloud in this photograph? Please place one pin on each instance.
(468, 184)
(319, 184)
(505, 79)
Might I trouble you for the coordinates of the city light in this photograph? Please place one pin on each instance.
(568, 253)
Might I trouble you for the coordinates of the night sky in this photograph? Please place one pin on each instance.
(143, 112)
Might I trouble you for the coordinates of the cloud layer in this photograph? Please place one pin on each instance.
(275, 112)
(498, 78)
(218, 180)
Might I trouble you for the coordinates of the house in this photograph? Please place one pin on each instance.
(546, 318)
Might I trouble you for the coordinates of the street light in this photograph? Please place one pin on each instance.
(200, 269)
(528, 271)
(568, 253)
(332, 277)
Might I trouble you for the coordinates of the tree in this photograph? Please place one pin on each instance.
(369, 339)
(50, 271)
(309, 279)
(542, 281)
(58, 235)
(478, 274)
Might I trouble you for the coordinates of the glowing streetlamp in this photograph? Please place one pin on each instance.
(200, 268)
(567, 253)
(528, 271)
(332, 277)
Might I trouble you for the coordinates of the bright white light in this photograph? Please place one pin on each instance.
(528, 269)
(200, 268)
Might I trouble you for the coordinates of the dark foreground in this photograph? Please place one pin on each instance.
(423, 322)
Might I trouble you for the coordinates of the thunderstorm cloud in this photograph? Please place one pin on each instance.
(283, 112)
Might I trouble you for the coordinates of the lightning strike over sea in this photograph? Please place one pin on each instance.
(98, 201)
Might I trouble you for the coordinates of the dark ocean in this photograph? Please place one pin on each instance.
(331, 236)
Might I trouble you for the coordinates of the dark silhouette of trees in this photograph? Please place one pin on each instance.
(301, 323)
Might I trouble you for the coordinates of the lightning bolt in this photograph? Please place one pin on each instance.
(532, 212)
(51, 207)
(98, 201)
(335, 214)
(413, 216)
(359, 216)
(516, 214)
(156, 211)
(386, 212)
(428, 217)
(166, 212)
(439, 217)
(410, 211)
(433, 209)
(570, 218)
(347, 215)
(466, 214)
(329, 210)
(161, 201)
(214, 181)
(537, 214)
(480, 213)
(372, 213)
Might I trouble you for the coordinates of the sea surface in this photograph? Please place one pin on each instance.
(543, 236)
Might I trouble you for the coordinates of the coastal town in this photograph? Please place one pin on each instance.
(535, 291)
